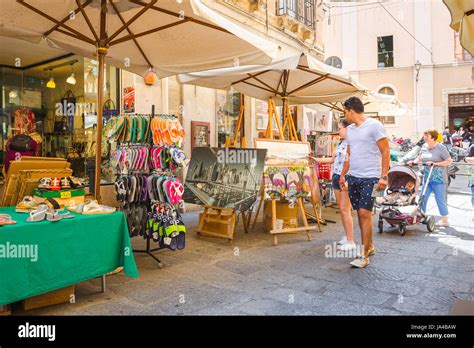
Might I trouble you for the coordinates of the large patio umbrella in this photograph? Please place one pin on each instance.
(382, 104)
(462, 20)
(136, 36)
(300, 79)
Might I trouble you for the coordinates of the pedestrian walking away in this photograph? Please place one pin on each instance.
(366, 165)
(435, 154)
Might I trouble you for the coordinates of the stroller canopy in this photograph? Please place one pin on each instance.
(399, 176)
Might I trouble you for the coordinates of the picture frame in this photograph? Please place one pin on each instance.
(285, 152)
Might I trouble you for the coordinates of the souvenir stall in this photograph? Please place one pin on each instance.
(49, 229)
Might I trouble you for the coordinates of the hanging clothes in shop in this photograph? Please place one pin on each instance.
(24, 121)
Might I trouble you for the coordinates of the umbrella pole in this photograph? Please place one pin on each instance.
(98, 138)
(101, 52)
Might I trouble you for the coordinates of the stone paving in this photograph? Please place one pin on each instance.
(418, 273)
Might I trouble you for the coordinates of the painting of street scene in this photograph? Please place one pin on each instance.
(225, 178)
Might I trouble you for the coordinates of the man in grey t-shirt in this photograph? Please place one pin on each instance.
(367, 164)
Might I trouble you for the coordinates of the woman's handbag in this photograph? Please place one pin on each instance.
(68, 103)
(109, 110)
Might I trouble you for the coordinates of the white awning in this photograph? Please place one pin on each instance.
(170, 36)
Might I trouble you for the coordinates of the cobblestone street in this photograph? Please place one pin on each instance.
(418, 273)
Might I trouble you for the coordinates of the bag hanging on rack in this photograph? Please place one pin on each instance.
(109, 110)
(68, 102)
(60, 126)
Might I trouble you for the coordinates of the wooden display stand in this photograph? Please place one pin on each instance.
(288, 127)
(217, 222)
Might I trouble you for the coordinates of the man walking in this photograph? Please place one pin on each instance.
(367, 163)
(447, 138)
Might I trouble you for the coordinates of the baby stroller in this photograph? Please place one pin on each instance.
(400, 179)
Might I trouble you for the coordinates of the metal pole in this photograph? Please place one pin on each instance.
(101, 52)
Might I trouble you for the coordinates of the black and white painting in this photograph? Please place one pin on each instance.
(224, 178)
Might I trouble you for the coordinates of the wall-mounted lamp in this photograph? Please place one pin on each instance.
(417, 68)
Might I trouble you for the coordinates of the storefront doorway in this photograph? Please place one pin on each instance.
(461, 110)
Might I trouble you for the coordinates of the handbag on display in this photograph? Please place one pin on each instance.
(60, 126)
(68, 103)
(109, 110)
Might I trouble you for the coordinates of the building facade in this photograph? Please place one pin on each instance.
(380, 44)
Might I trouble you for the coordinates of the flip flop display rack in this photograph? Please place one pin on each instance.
(147, 160)
(145, 129)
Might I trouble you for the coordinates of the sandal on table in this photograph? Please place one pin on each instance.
(26, 205)
(6, 219)
(95, 208)
(39, 214)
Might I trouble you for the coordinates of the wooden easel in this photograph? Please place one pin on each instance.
(220, 222)
(289, 125)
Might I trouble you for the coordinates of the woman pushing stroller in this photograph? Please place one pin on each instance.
(434, 154)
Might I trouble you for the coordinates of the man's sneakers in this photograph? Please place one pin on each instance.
(361, 262)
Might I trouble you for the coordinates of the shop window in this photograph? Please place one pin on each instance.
(385, 51)
(460, 54)
(55, 104)
(227, 111)
(387, 119)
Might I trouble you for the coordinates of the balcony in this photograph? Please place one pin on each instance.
(302, 11)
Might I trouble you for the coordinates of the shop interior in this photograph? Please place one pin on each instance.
(54, 102)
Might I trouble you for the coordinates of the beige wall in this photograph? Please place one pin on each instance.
(352, 36)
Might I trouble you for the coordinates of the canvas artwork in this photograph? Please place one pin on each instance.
(319, 121)
(287, 183)
(224, 178)
(286, 153)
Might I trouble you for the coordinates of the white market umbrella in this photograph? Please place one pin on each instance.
(462, 20)
(300, 79)
(170, 36)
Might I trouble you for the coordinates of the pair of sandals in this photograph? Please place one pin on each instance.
(167, 130)
(6, 219)
(91, 208)
(132, 188)
(165, 226)
(166, 189)
(164, 158)
(46, 212)
(129, 128)
(131, 159)
(136, 215)
(56, 184)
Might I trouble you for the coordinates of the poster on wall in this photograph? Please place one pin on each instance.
(261, 114)
(323, 145)
(224, 177)
(128, 99)
(319, 121)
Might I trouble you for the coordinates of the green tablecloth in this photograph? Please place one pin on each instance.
(68, 252)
